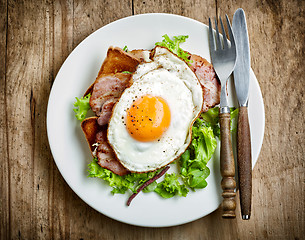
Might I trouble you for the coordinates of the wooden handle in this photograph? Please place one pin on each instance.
(227, 167)
(244, 162)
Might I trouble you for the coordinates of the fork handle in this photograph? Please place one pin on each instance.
(227, 166)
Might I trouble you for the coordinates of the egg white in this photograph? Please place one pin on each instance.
(169, 77)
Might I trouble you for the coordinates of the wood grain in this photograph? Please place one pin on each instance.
(244, 162)
(227, 166)
(4, 165)
(35, 39)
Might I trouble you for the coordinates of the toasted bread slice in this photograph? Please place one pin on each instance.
(118, 60)
(90, 128)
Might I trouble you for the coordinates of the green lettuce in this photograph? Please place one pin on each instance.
(234, 118)
(82, 106)
(211, 118)
(193, 162)
(174, 45)
(125, 48)
(170, 187)
(120, 184)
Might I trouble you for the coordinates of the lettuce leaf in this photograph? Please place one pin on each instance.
(193, 162)
(211, 118)
(234, 119)
(174, 45)
(170, 187)
(82, 107)
(121, 184)
(125, 48)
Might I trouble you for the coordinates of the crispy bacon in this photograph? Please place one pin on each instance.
(106, 111)
(142, 55)
(208, 79)
(105, 155)
(106, 91)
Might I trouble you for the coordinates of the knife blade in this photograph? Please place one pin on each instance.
(241, 80)
(242, 67)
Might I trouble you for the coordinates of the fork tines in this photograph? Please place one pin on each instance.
(225, 40)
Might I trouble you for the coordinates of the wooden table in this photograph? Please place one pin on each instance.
(37, 36)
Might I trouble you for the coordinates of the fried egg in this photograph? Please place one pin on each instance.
(151, 123)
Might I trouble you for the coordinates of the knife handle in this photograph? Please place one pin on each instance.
(227, 167)
(244, 162)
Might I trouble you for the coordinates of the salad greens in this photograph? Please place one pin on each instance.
(192, 164)
(82, 107)
(170, 187)
(173, 45)
(121, 184)
(234, 118)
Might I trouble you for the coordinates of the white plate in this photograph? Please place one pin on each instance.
(71, 152)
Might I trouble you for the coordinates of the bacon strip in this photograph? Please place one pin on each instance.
(146, 184)
(95, 133)
(106, 92)
(208, 80)
(105, 155)
(142, 55)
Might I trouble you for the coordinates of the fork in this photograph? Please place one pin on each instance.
(223, 59)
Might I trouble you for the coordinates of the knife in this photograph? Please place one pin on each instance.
(241, 79)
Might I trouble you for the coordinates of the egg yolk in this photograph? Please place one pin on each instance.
(148, 118)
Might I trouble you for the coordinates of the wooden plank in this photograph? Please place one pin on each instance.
(19, 127)
(276, 34)
(90, 16)
(61, 15)
(35, 205)
(4, 166)
(198, 10)
(24, 61)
